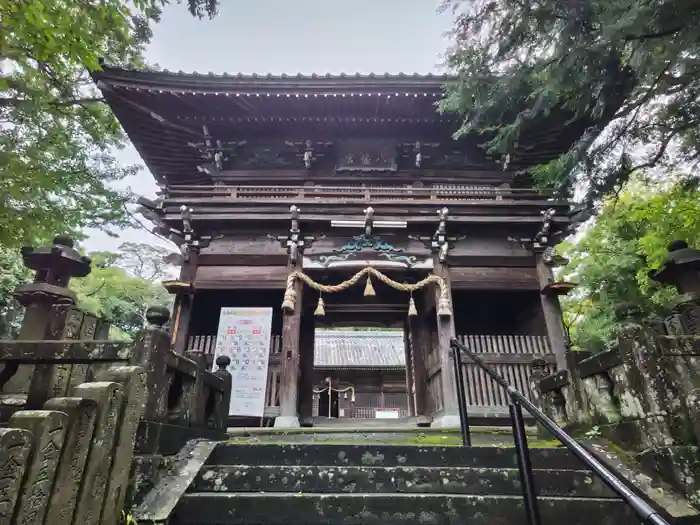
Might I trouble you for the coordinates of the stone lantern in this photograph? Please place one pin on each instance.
(54, 266)
(681, 268)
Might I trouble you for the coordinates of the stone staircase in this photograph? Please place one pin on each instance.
(314, 484)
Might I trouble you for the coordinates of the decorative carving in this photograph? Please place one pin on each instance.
(544, 238)
(551, 258)
(309, 151)
(409, 260)
(369, 213)
(417, 152)
(439, 242)
(367, 156)
(362, 242)
(329, 259)
(216, 154)
(189, 241)
(294, 242)
(455, 160)
(266, 157)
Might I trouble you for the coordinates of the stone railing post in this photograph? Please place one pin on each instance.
(150, 351)
(222, 408)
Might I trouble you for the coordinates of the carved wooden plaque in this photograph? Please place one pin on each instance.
(367, 155)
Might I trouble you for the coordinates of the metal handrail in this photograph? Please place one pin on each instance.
(517, 402)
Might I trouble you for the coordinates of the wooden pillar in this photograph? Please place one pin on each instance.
(289, 376)
(181, 322)
(420, 338)
(449, 416)
(556, 331)
(183, 303)
(306, 357)
(410, 391)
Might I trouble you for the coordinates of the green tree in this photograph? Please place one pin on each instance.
(111, 291)
(117, 296)
(519, 61)
(147, 261)
(612, 257)
(12, 274)
(56, 134)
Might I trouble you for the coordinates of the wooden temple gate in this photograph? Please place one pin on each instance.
(350, 173)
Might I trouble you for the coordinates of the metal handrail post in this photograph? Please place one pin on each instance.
(462, 400)
(527, 480)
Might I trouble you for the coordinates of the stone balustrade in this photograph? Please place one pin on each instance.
(75, 407)
(644, 392)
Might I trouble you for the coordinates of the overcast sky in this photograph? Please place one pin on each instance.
(279, 36)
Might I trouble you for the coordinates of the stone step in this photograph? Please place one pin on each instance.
(391, 509)
(386, 456)
(415, 480)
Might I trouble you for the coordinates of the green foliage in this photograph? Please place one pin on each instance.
(520, 61)
(12, 273)
(120, 298)
(113, 290)
(146, 261)
(611, 259)
(56, 135)
(126, 519)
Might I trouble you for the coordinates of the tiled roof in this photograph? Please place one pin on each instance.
(359, 349)
(182, 82)
(279, 76)
(333, 76)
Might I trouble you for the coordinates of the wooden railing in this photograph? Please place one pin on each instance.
(510, 355)
(361, 194)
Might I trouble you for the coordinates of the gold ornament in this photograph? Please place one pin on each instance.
(369, 289)
(320, 307)
(412, 312)
(290, 299)
(444, 309)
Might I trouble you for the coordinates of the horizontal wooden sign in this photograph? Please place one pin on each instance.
(492, 278)
(237, 277)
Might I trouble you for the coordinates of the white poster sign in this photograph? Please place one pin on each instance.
(386, 413)
(244, 336)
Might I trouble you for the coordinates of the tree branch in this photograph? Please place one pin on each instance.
(14, 102)
(102, 285)
(650, 36)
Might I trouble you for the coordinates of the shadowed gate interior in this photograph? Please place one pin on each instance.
(367, 346)
(328, 404)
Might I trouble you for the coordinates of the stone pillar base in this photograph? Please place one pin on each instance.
(424, 421)
(446, 421)
(287, 422)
